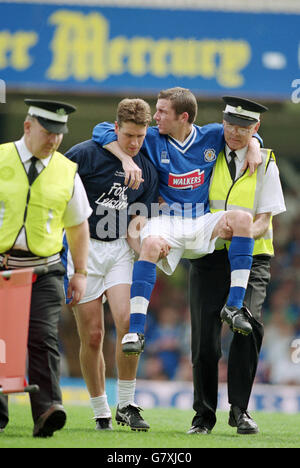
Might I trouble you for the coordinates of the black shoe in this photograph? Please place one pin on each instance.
(237, 319)
(3, 425)
(130, 416)
(242, 420)
(133, 343)
(199, 430)
(104, 424)
(52, 420)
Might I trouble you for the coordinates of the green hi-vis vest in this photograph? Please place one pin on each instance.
(243, 195)
(39, 208)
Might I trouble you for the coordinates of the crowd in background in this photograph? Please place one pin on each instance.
(282, 306)
(167, 350)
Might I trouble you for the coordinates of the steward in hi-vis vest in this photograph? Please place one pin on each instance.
(41, 195)
(243, 193)
(232, 188)
(39, 207)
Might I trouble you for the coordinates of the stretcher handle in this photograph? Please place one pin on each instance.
(39, 270)
(32, 389)
(27, 389)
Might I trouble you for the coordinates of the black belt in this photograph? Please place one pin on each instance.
(262, 257)
(19, 253)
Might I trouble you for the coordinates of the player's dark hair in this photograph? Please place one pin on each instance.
(182, 100)
(134, 110)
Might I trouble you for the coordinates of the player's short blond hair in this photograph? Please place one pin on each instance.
(134, 110)
(182, 100)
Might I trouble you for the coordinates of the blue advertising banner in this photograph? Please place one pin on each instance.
(104, 49)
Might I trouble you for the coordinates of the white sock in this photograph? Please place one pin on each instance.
(126, 392)
(100, 407)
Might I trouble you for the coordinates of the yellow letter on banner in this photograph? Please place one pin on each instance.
(5, 39)
(78, 46)
(234, 56)
(118, 51)
(22, 41)
(140, 48)
(159, 58)
(14, 49)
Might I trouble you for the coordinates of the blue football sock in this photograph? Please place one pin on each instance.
(240, 258)
(143, 282)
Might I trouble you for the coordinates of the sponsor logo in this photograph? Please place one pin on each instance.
(120, 174)
(189, 180)
(116, 198)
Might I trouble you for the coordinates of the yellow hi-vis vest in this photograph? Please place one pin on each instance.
(243, 194)
(39, 208)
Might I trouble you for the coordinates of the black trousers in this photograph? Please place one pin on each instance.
(209, 288)
(43, 348)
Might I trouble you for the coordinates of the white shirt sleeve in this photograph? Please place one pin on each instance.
(78, 208)
(271, 198)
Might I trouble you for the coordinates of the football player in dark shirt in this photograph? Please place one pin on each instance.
(111, 258)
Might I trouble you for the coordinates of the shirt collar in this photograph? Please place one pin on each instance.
(188, 138)
(241, 153)
(26, 155)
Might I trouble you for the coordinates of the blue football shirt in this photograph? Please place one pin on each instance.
(184, 168)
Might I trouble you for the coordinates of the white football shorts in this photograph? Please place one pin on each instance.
(187, 237)
(109, 264)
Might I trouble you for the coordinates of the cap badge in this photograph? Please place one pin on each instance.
(239, 108)
(61, 111)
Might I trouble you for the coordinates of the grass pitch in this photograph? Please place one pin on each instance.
(168, 430)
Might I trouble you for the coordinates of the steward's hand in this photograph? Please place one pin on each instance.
(225, 231)
(164, 248)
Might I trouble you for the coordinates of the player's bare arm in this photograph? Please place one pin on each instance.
(253, 156)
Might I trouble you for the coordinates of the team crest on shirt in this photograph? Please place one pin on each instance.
(210, 155)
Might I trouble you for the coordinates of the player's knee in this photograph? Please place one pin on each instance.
(241, 220)
(246, 220)
(95, 339)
